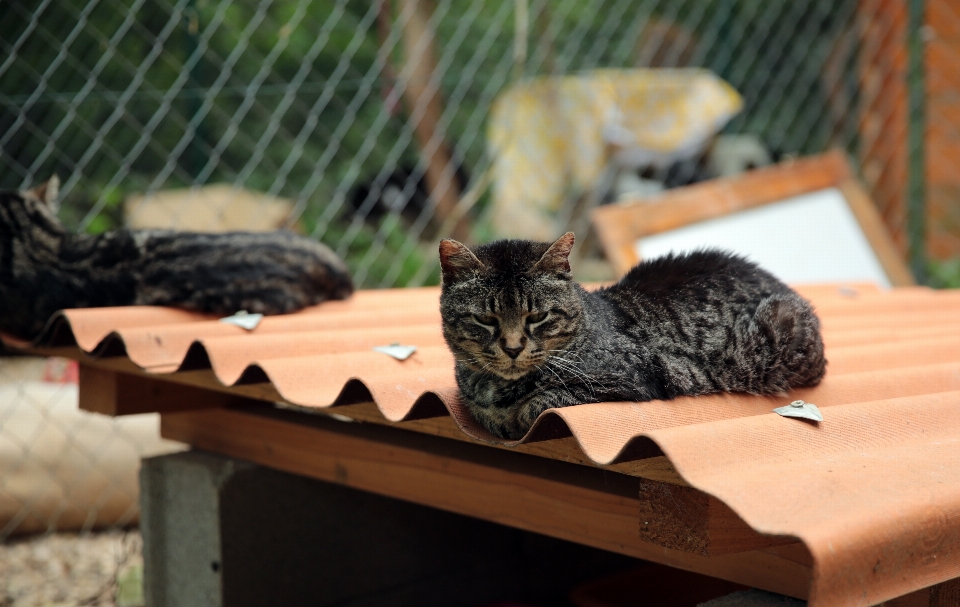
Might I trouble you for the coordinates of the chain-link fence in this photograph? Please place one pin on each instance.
(377, 127)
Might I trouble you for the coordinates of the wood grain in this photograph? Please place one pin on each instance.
(946, 594)
(101, 378)
(683, 518)
(114, 393)
(876, 233)
(425, 107)
(620, 225)
(577, 503)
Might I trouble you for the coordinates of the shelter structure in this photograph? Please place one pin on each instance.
(857, 509)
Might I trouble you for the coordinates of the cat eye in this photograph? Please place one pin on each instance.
(535, 318)
(487, 321)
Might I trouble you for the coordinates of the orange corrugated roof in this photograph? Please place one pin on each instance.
(873, 491)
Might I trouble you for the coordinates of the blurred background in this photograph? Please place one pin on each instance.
(368, 122)
(380, 127)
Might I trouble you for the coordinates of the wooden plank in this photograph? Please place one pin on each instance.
(114, 393)
(946, 594)
(577, 503)
(944, 19)
(425, 108)
(883, 116)
(876, 233)
(98, 388)
(565, 449)
(620, 225)
(683, 518)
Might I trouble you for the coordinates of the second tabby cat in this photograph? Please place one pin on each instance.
(44, 268)
(526, 337)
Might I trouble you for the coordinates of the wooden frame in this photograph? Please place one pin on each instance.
(664, 521)
(639, 508)
(619, 226)
(577, 503)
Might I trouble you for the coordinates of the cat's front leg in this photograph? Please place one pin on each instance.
(523, 415)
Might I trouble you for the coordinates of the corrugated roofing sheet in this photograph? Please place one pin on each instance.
(873, 490)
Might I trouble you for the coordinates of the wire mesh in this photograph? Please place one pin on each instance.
(368, 122)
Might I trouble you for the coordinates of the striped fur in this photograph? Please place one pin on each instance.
(526, 337)
(43, 268)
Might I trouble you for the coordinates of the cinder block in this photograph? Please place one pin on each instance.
(180, 522)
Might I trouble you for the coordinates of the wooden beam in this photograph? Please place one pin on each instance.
(114, 393)
(577, 503)
(946, 594)
(683, 518)
(421, 79)
(565, 449)
(876, 233)
(620, 225)
(100, 392)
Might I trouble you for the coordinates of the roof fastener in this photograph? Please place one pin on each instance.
(801, 409)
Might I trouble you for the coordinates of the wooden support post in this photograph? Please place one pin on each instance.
(425, 108)
(114, 393)
(684, 518)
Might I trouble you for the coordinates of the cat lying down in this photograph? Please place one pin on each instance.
(526, 337)
(43, 268)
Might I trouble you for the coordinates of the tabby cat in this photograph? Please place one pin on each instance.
(43, 268)
(526, 337)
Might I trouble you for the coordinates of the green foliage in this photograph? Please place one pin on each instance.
(373, 250)
(944, 274)
(287, 97)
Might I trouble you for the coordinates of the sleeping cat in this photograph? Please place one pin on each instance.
(43, 268)
(526, 337)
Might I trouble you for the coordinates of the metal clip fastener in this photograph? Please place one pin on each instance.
(801, 409)
(397, 351)
(243, 319)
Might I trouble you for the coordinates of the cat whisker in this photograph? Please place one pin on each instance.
(482, 362)
(569, 367)
(571, 353)
(573, 367)
(560, 379)
(577, 364)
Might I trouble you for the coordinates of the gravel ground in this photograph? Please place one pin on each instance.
(68, 570)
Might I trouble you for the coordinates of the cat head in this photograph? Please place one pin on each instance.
(46, 193)
(33, 208)
(29, 218)
(509, 306)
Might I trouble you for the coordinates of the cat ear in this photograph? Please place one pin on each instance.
(556, 260)
(457, 261)
(48, 192)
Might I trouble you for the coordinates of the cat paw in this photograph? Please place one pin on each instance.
(522, 417)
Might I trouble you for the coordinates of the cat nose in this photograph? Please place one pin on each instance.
(510, 351)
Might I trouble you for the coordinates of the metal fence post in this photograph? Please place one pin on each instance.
(916, 186)
(194, 156)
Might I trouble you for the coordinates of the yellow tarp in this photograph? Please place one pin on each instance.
(549, 136)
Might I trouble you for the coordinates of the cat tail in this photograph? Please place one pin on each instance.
(783, 344)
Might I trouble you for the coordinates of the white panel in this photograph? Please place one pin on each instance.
(809, 238)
